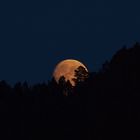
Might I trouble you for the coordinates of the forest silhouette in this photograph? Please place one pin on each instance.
(102, 105)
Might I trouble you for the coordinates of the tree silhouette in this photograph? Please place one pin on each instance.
(107, 105)
(52, 87)
(18, 89)
(62, 81)
(81, 75)
(65, 86)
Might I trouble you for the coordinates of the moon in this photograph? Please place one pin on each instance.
(67, 69)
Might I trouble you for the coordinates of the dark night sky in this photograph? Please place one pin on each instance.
(36, 36)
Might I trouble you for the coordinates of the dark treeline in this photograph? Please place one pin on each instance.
(102, 105)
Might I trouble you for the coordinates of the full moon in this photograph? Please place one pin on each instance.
(67, 69)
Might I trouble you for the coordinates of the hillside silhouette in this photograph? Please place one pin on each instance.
(102, 105)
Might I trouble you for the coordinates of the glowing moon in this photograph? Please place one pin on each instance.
(67, 69)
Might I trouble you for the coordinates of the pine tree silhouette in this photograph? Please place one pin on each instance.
(107, 105)
(81, 75)
(65, 86)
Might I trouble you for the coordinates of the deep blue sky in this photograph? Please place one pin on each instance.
(36, 36)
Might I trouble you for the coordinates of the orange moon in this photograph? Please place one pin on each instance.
(67, 69)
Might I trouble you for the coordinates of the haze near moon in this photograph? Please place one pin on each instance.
(67, 69)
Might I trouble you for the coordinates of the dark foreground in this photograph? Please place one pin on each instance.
(105, 106)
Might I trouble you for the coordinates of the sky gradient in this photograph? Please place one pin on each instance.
(36, 36)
